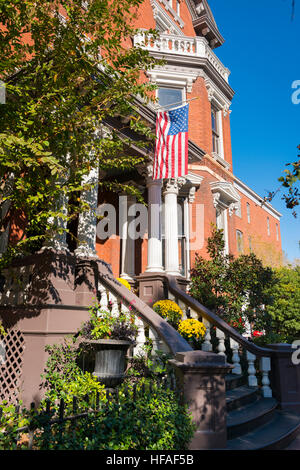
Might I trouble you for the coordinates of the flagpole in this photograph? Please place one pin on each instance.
(178, 102)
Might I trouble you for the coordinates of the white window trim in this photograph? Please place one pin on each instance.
(162, 16)
(170, 77)
(183, 90)
(169, 8)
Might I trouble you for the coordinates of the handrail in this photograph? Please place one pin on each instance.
(168, 334)
(214, 319)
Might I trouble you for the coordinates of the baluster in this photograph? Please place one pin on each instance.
(103, 297)
(173, 46)
(265, 367)
(155, 341)
(125, 310)
(183, 307)
(114, 305)
(194, 314)
(221, 345)
(158, 344)
(237, 370)
(207, 345)
(252, 380)
(141, 338)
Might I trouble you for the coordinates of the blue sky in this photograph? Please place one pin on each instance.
(262, 51)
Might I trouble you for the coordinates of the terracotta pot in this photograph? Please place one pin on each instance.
(110, 360)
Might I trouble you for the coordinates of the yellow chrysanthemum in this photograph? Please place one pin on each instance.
(191, 328)
(165, 307)
(124, 282)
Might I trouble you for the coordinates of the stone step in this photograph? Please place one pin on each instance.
(277, 434)
(233, 381)
(241, 396)
(248, 417)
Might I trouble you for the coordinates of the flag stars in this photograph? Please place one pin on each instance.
(179, 120)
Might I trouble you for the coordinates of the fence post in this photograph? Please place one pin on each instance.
(201, 378)
(285, 376)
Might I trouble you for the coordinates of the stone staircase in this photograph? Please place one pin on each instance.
(255, 422)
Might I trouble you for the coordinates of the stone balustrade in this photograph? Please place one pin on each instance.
(241, 354)
(182, 45)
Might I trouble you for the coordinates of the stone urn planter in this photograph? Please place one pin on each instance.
(110, 359)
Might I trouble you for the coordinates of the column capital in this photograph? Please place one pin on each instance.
(173, 185)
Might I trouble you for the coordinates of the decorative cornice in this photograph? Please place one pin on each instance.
(193, 55)
(225, 196)
(253, 196)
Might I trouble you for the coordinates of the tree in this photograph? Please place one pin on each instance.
(70, 76)
(234, 288)
(289, 181)
(285, 307)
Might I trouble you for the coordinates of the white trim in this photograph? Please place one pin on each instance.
(253, 196)
(172, 77)
(162, 16)
(173, 12)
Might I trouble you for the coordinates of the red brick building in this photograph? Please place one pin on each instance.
(211, 193)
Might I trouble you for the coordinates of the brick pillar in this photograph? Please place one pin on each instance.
(285, 376)
(201, 378)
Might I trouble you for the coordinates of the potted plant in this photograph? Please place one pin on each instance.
(193, 331)
(170, 311)
(106, 340)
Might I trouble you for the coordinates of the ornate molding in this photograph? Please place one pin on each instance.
(173, 185)
(225, 196)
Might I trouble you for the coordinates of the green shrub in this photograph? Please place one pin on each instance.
(237, 289)
(152, 419)
(285, 308)
(63, 378)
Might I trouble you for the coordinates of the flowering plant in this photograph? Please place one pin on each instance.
(238, 325)
(2, 330)
(257, 334)
(169, 310)
(192, 330)
(124, 283)
(103, 325)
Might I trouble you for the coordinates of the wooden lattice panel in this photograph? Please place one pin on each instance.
(13, 346)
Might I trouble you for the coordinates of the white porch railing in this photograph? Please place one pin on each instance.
(114, 303)
(238, 353)
(182, 45)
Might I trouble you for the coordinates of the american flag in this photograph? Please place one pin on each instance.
(171, 151)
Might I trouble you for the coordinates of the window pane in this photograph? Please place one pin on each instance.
(214, 120)
(168, 96)
(239, 239)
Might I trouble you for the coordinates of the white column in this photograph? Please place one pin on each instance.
(87, 222)
(128, 243)
(154, 226)
(171, 226)
(59, 240)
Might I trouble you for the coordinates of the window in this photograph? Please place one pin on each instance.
(238, 211)
(239, 241)
(250, 244)
(170, 96)
(248, 213)
(268, 225)
(277, 232)
(215, 131)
